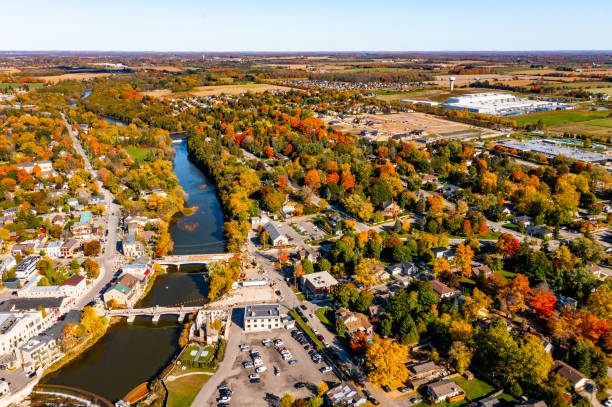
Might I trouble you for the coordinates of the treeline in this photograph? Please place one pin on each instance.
(373, 76)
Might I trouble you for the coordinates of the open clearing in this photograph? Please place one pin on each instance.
(217, 90)
(561, 117)
(183, 390)
(389, 125)
(77, 76)
(6, 85)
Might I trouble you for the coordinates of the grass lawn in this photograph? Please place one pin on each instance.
(506, 274)
(561, 117)
(306, 329)
(475, 388)
(322, 314)
(510, 226)
(138, 154)
(607, 122)
(182, 391)
(206, 354)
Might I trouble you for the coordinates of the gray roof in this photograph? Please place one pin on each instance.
(272, 230)
(261, 311)
(27, 304)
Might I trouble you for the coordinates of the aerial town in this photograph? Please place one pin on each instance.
(301, 229)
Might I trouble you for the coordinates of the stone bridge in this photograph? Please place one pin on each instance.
(154, 312)
(179, 260)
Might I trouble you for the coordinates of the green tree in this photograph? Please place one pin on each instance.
(340, 327)
(307, 266)
(363, 301)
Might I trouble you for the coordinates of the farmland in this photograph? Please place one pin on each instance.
(77, 76)
(561, 117)
(217, 90)
(6, 85)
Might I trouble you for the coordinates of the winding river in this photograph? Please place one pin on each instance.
(130, 354)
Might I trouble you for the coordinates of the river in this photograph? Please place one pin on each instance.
(130, 354)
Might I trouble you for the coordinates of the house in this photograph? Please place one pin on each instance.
(26, 268)
(532, 403)
(477, 269)
(354, 321)
(287, 210)
(276, 236)
(57, 220)
(424, 372)
(132, 247)
(449, 191)
(97, 200)
(524, 220)
(390, 209)
(262, 317)
(440, 252)
(202, 329)
(539, 231)
(258, 221)
(576, 379)
(346, 393)
(70, 248)
(309, 253)
(132, 228)
(405, 268)
(72, 202)
(318, 285)
(489, 402)
(53, 249)
(442, 289)
(429, 178)
(445, 390)
(24, 248)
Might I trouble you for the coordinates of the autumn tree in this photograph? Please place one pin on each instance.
(441, 266)
(312, 179)
(508, 245)
(461, 356)
(542, 302)
(385, 362)
(463, 259)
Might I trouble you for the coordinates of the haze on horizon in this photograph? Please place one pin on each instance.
(278, 26)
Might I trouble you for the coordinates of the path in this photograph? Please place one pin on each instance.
(173, 378)
(208, 391)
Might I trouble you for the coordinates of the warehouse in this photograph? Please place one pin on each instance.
(551, 149)
(501, 104)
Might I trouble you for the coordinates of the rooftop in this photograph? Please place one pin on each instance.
(321, 279)
(262, 310)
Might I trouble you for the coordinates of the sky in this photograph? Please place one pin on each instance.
(313, 25)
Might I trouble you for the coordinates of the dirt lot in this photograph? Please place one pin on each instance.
(401, 123)
(77, 76)
(217, 90)
(271, 388)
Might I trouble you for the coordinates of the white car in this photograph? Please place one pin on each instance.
(278, 342)
(261, 369)
(265, 341)
(608, 402)
(253, 376)
(325, 369)
(244, 347)
(257, 362)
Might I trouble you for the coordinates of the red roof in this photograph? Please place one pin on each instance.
(73, 281)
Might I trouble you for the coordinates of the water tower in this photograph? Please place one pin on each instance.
(452, 82)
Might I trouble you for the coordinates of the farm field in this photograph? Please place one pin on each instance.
(607, 91)
(217, 90)
(586, 128)
(77, 76)
(561, 117)
(6, 85)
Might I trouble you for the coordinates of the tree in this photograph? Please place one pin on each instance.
(542, 302)
(287, 400)
(385, 362)
(461, 356)
(264, 238)
(477, 305)
(91, 322)
(408, 331)
(343, 294)
(463, 259)
(441, 266)
(356, 205)
(402, 253)
(515, 293)
(307, 266)
(589, 250)
(554, 389)
(312, 179)
(323, 265)
(363, 301)
(460, 330)
(322, 388)
(600, 302)
(508, 245)
(367, 270)
(91, 248)
(340, 327)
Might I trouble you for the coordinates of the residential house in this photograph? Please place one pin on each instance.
(445, 390)
(53, 249)
(354, 321)
(539, 231)
(576, 379)
(346, 393)
(309, 253)
(477, 269)
(425, 370)
(443, 252)
(524, 220)
(489, 402)
(442, 289)
(429, 178)
(405, 268)
(449, 191)
(288, 210)
(277, 238)
(24, 248)
(390, 209)
(318, 285)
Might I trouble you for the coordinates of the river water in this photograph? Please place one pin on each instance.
(130, 354)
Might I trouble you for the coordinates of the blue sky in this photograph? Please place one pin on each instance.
(336, 25)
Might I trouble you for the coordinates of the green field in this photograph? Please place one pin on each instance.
(6, 85)
(607, 90)
(475, 388)
(607, 122)
(560, 117)
(138, 154)
(183, 390)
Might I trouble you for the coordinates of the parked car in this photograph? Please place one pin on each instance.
(255, 380)
(292, 362)
(374, 401)
(299, 385)
(244, 347)
(253, 376)
(261, 369)
(405, 389)
(415, 400)
(247, 365)
(303, 307)
(325, 369)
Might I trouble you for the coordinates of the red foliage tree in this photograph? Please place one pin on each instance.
(508, 245)
(543, 303)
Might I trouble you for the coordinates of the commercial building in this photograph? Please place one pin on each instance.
(53, 249)
(276, 236)
(553, 148)
(125, 291)
(262, 317)
(318, 285)
(17, 328)
(26, 269)
(501, 104)
(39, 352)
(132, 247)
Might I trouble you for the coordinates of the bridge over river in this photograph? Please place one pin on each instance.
(154, 312)
(193, 259)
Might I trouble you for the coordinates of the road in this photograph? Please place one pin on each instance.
(108, 260)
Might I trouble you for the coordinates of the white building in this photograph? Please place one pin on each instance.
(8, 264)
(17, 328)
(262, 317)
(276, 236)
(26, 269)
(39, 351)
(53, 249)
(501, 104)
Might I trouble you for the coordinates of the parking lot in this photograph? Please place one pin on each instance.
(271, 388)
(308, 231)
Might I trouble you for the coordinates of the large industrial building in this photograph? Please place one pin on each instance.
(552, 148)
(501, 104)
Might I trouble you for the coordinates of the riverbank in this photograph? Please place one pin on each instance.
(75, 352)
